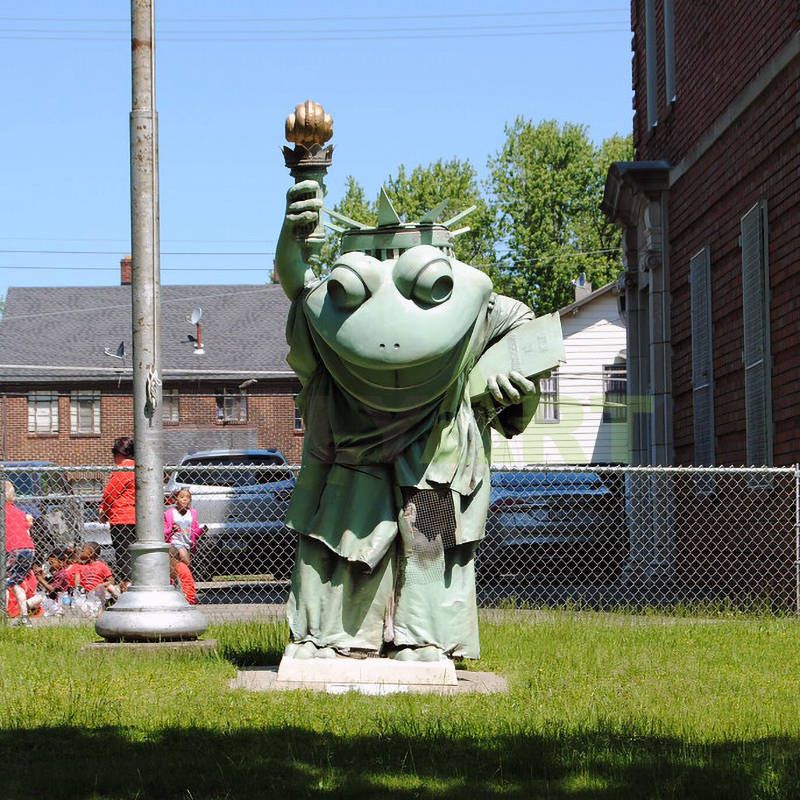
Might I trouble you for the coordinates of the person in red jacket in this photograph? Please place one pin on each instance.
(19, 551)
(118, 506)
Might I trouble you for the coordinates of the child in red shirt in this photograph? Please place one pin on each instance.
(182, 576)
(90, 572)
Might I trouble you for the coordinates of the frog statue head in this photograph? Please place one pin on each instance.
(396, 300)
(401, 312)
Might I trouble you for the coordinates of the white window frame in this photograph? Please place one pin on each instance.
(298, 425)
(77, 414)
(170, 407)
(43, 412)
(232, 406)
(613, 375)
(548, 411)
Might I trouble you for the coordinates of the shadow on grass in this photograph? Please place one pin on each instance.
(194, 763)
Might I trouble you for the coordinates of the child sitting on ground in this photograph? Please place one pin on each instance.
(181, 528)
(181, 575)
(33, 600)
(58, 561)
(90, 572)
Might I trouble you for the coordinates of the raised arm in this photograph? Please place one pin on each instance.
(294, 251)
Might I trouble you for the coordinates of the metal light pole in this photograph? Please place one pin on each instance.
(151, 609)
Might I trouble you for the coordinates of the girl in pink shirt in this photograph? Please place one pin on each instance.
(181, 528)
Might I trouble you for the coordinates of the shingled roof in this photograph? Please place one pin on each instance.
(68, 327)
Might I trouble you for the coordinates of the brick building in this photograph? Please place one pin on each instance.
(66, 395)
(710, 211)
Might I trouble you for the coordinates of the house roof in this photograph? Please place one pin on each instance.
(243, 332)
(578, 304)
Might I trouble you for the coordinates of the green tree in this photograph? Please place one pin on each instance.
(546, 183)
(413, 193)
(354, 205)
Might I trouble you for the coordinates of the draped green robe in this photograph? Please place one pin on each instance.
(368, 435)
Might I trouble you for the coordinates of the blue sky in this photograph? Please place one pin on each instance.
(434, 80)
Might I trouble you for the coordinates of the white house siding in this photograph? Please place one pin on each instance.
(594, 336)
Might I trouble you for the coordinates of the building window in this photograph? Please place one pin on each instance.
(702, 358)
(170, 408)
(651, 65)
(547, 410)
(42, 412)
(615, 392)
(84, 412)
(757, 356)
(232, 406)
(298, 418)
(669, 51)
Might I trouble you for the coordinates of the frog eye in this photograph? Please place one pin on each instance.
(434, 284)
(346, 289)
(423, 274)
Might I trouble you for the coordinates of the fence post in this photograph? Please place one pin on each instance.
(797, 538)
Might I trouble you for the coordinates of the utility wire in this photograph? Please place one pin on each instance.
(342, 18)
(163, 252)
(127, 307)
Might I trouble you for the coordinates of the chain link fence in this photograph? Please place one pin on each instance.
(598, 537)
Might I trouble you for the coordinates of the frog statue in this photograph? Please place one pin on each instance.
(392, 496)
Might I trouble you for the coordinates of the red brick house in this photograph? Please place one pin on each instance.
(710, 211)
(65, 396)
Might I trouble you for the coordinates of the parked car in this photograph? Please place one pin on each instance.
(553, 525)
(44, 491)
(242, 497)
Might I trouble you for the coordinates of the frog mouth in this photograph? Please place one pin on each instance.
(401, 388)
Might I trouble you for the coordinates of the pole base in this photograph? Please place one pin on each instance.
(151, 614)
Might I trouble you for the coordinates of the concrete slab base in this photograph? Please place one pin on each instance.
(181, 646)
(370, 680)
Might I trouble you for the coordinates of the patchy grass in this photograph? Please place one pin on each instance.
(600, 706)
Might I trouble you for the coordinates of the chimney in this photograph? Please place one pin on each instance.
(125, 269)
(582, 287)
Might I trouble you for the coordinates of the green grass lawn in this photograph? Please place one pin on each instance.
(600, 706)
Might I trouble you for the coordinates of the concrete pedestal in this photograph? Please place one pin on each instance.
(373, 676)
(151, 610)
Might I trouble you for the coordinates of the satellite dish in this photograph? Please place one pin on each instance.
(120, 352)
(197, 313)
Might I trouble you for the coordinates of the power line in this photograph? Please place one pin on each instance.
(305, 30)
(126, 306)
(112, 268)
(358, 18)
(125, 239)
(163, 252)
(293, 38)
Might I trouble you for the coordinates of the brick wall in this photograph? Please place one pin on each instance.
(719, 48)
(270, 415)
(757, 158)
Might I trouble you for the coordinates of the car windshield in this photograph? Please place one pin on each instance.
(247, 470)
(23, 482)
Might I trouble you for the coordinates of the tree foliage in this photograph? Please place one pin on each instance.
(546, 184)
(537, 224)
(418, 191)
